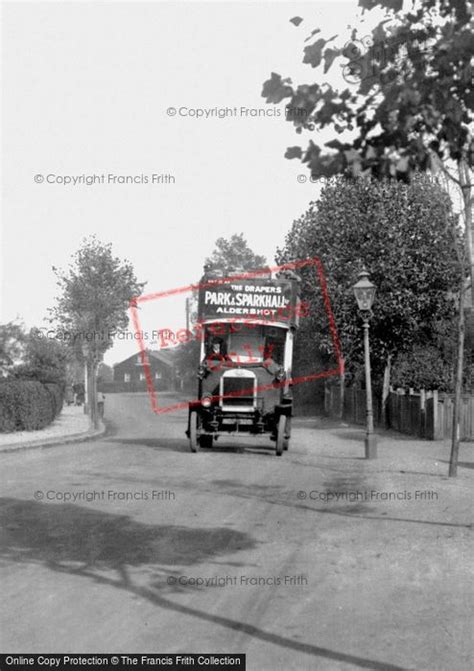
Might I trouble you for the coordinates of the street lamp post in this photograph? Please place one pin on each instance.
(364, 292)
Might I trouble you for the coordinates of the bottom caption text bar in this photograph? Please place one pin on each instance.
(171, 662)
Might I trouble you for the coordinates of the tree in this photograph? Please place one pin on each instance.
(187, 361)
(95, 295)
(12, 345)
(233, 255)
(403, 234)
(414, 99)
(44, 359)
(425, 367)
(411, 110)
(105, 373)
(31, 355)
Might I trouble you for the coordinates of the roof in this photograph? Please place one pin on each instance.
(164, 357)
(167, 356)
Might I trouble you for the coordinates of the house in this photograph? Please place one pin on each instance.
(129, 374)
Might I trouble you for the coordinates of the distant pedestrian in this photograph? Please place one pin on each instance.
(101, 404)
(69, 395)
(79, 393)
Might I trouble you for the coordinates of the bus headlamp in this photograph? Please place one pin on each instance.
(206, 401)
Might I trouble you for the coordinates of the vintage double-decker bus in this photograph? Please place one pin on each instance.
(247, 326)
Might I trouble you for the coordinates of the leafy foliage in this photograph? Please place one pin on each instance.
(422, 369)
(234, 254)
(187, 361)
(412, 110)
(296, 20)
(96, 291)
(12, 343)
(44, 359)
(413, 101)
(401, 233)
(105, 373)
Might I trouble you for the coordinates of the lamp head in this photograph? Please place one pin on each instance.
(364, 291)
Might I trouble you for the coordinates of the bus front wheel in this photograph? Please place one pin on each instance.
(193, 432)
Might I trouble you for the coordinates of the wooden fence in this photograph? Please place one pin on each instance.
(425, 414)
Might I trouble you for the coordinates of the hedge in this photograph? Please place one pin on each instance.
(27, 405)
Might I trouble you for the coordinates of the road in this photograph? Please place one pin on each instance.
(231, 549)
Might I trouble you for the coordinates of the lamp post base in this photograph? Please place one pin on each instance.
(371, 446)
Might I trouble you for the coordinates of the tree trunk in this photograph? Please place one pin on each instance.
(86, 387)
(464, 178)
(386, 391)
(89, 397)
(466, 188)
(92, 393)
(455, 435)
(94, 408)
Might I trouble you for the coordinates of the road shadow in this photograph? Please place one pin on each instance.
(244, 627)
(347, 434)
(182, 445)
(60, 535)
(461, 464)
(241, 448)
(351, 458)
(466, 464)
(359, 435)
(173, 444)
(357, 509)
(346, 481)
(103, 548)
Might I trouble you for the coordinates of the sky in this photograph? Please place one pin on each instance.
(86, 91)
